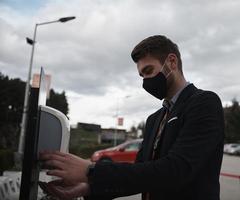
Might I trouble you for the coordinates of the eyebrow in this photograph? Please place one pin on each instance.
(145, 69)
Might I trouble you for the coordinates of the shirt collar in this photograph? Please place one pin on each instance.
(175, 97)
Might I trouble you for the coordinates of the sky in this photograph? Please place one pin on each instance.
(89, 57)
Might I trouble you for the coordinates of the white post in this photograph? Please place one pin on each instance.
(115, 132)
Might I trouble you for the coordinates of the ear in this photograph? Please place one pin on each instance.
(173, 61)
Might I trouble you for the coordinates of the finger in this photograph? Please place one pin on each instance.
(54, 164)
(59, 192)
(52, 156)
(46, 189)
(43, 186)
(57, 182)
(67, 193)
(61, 153)
(53, 152)
(51, 191)
(56, 172)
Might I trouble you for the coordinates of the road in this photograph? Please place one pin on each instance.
(230, 185)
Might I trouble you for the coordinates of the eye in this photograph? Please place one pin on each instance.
(147, 70)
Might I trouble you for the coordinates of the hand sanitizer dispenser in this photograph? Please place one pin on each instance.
(54, 130)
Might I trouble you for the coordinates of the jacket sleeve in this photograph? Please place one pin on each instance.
(202, 131)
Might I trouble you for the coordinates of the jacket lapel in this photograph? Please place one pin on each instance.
(153, 134)
(182, 99)
(178, 106)
(176, 110)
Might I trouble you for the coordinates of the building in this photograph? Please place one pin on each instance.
(108, 135)
(103, 135)
(89, 127)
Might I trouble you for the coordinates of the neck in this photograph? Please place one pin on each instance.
(177, 85)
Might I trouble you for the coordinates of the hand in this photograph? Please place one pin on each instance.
(58, 189)
(70, 168)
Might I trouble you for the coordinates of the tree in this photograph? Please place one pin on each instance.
(141, 126)
(11, 107)
(133, 129)
(232, 122)
(11, 102)
(58, 101)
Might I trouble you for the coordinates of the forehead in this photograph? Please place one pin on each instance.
(147, 61)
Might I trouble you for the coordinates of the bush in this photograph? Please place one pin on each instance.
(84, 143)
(86, 150)
(6, 159)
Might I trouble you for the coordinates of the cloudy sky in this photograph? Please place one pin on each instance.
(89, 57)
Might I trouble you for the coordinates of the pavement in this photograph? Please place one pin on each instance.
(230, 178)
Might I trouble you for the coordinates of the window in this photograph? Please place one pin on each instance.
(132, 146)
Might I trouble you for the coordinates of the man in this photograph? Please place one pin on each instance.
(182, 150)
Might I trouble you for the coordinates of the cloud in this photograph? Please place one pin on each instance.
(90, 56)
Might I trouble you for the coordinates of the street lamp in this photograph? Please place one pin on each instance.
(26, 98)
(117, 112)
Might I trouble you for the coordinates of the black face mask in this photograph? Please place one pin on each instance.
(156, 86)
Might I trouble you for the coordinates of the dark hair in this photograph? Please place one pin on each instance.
(157, 46)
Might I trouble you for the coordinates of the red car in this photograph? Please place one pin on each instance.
(125, 152)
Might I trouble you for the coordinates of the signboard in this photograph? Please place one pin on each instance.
(120, 121)
(47, 82)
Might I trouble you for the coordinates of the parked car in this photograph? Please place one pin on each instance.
(125, 152)
(232, 149)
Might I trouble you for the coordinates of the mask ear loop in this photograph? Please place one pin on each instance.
(165, 70)
(169, 73)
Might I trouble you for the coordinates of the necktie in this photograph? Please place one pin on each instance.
(166, 108)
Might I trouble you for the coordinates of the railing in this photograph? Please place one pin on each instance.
(9, 188)
(230, 175)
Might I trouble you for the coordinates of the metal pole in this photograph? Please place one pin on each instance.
(115, 132)
(50, 22)
(117, 112)
(26, 98)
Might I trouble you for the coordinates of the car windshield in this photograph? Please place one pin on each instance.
(132, 146)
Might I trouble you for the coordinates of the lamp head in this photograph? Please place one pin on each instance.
(65, 19)
(30, 41)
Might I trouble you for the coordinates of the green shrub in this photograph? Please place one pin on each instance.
(84, 143)
(6, 159)
(86, 150)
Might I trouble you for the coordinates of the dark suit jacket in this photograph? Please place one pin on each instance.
(189, 155)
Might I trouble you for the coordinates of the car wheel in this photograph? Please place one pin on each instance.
(105, 160)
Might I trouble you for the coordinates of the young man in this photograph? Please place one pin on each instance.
(182, 150)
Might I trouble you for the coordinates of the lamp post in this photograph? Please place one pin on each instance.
(117, 112)
(26, 98)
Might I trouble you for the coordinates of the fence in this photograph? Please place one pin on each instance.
(9, 188)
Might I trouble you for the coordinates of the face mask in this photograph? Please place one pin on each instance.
(157, 85)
